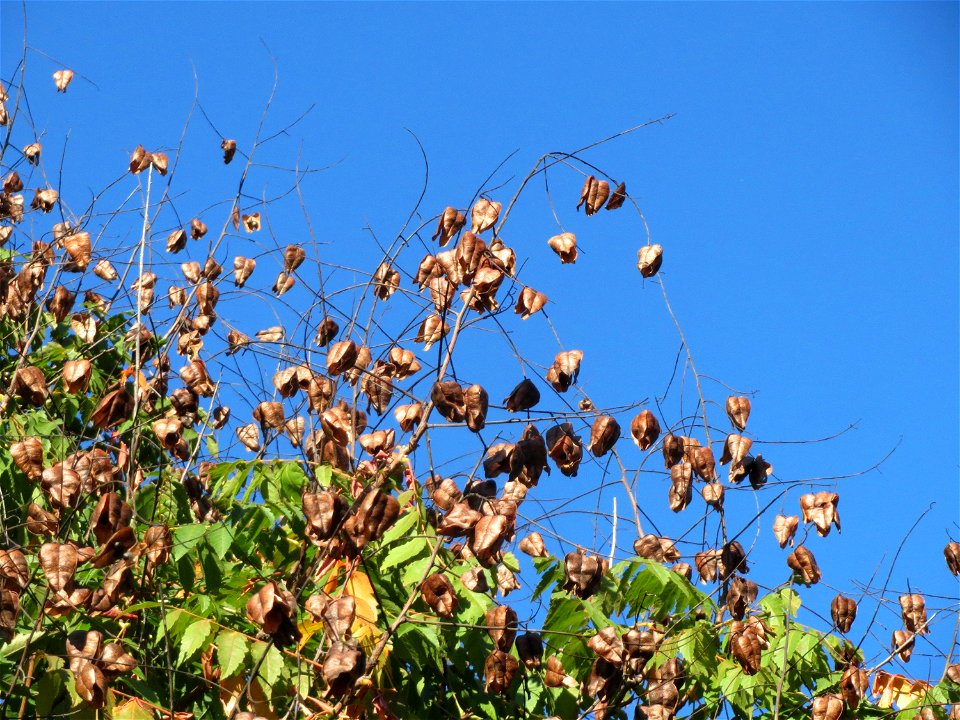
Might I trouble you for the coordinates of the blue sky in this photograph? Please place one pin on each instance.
(805, 194)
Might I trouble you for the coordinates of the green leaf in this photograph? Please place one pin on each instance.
(272, 664)
(404, 551)
(220, 538)
(186, 537)
(193, 639)
(510, 561)
(231, 652)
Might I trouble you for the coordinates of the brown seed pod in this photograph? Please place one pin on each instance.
(556, 676)
(708, 565)
(432, 329)
(475, 404)
(342, 666)
(249, 435)
(438, 593)
(741, 593)
(115, 661)
(680, 492)
(853, 686)
(62, 79)
(843, 610)
(827, 707)
(489, 532)
(475, 580)
(604, 435)
(229, 148)
(645, 430)
(61, 303)
(704, 465)
(32, 154)
(449, 224)
(274, 609)
(914, 613)
(532, 545)
(821, 510)
(27, 455)
(530, 649)
(484, 215)
(59, 564)
(374, 514)
(565, 448)
(529, 302)
(506, 580)
(9, 612)
(673, 448)
(608, 645)
(12, 183)
(583, 573)
(803, 563)
(109, 516)
(952, 555)
(618, 197)
(77, 247)
(408, 416)
(682, 568)
(251, 223)
(784, 528)
(565, 370)
(738, 410)
(169, 432)
(325, 512)
(593, 195)
(195, 377)
(40, 521)
(745, 647)
(499, 671)
(564, 245)
(735, 449)
(902, 644)
(649, 260)
(157, 543)
(341, 357)
(30, 384)
(733, 558)
(177, 241)
(270, 415)
(502, 626)
(14, 572)
(658, 549)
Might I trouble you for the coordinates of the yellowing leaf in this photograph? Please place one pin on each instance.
(365, 622)
(307, 628)
(897, 689)
(133, 709)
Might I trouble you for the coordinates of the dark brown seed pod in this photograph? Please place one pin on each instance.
(475, 402)
(673, 449)
(343, 664)
(325, 511)
(827, 707)
(27, 455)
(502, 626)
(843, 610)
(802, 562)
(952, 555)
(523, 397)
(229, 148)
(447, 397)
(583, 573)
(618, 197)
(745, 647)
(499, 671)
(603, 435)
(438, 593)
(565, 448)
(914, 613)
(450, 223)
(375, 513)
(274, 609)
(608, 645)
(530, 649)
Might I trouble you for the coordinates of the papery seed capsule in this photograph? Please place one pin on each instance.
(649, 260)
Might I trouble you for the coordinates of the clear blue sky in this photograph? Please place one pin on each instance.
(806, 195)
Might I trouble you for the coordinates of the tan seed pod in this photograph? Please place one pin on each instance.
(532, 545)
(211, 269)
(374, 515)
(746, 650)
(583, 573)
(604, 435)
(325, 511)
(62, 79)
(270, 335)
(251, 223)
(821, 509)
(30, 385)
(27, 455)
(475, 580)
(593, 195)
(32, 153)
(229, 148)
(40, 521)
(608, 645)
(475, 403)
(437, 592)
(708, 565)
(484, 215)
(169, 432)
(5, 232)
(432, 329)
(914, 613)
(529, 302)
(735, 449)
(703, 463)
(556, 676)
(343, 665)
(564, 245)
(59, 564)
(713, 494)
(61, 303)
(738, 410)
(139, 160)
(76, 375)
(341, 357)
(177, 241)
(827, 707)
(270, 415)
(249, 435)
(408, 416)
(682, 568)
(565, 370)
(680, 492)
(488, 536)
(283, 283)
(843, 610)
(77, 246)
(160, 161)
(672, 449)
(649, 260)
(853, 686)
(379, 441)
(451, 221)
(784, 528)
(44, 199)
(243, 267)
(14, 571)
(386, 280)
(741, 593)
(198, 228)
(507, 580)
(157, 542)
(105, 271)
(293, 257)
(803, 563)
(12, 183)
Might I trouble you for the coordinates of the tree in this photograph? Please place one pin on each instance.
(344, 541)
